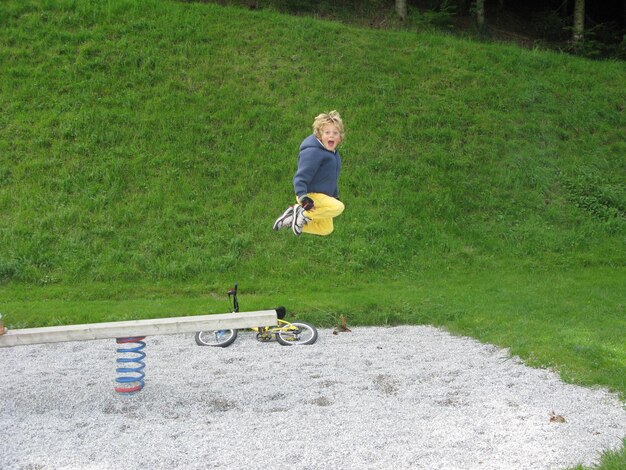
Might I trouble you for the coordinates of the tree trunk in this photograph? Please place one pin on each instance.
(480, 13)
(401, 9)
(579, 20)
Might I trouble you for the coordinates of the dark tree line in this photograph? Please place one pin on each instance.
(591, 27)
(582, 14)
(593, 24)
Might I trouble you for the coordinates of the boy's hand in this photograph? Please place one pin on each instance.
(307, 203)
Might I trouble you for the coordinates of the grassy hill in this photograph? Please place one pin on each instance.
(156, 141)
(147, 147)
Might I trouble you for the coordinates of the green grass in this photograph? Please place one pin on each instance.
(611, 460)
(139, 143)
(147, 147)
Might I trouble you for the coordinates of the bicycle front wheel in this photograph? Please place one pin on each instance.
(219, 338)
(296, 334)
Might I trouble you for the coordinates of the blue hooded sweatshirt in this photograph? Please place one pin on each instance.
(318, 169)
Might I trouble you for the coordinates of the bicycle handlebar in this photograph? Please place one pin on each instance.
(233, 292)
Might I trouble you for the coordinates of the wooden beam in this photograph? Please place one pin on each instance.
(123, 329)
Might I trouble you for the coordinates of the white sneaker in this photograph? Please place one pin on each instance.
(299, 220)
(285, 220)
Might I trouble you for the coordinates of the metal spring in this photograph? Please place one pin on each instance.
(136, 358)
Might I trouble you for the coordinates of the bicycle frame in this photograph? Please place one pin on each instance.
(265, 333)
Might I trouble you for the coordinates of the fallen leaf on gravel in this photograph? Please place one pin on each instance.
(554, 418)
(343, 327)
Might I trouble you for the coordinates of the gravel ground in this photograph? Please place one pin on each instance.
(383, 398)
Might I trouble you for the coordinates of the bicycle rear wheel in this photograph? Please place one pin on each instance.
(296, 334)
(219, 338)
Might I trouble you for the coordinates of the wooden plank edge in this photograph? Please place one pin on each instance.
(145, 327)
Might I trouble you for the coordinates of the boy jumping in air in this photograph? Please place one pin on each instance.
(315, 180)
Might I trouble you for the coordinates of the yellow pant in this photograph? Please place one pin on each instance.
(321, 216)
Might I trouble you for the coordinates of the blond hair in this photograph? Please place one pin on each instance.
(324, 119)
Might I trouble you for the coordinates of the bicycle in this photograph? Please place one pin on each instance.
(286, 333)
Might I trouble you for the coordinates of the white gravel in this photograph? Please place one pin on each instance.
(403, 397)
